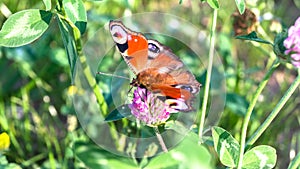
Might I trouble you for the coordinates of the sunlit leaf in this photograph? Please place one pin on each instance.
(47, 4)
(214, 4)
(163, 161)
(4, 141)
(119, 113)
(240, 4)
(188, 154)
(226, 146)
(4, 164)
(295, 162)
(3, 160)
(253, 37)
(262, 156)
(93, 156)
(176, 126)
(76, 13)
(24, 27)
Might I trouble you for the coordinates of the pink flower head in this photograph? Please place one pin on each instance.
(149, 109)
(292, 43)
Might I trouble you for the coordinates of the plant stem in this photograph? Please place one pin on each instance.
(34, 159)
(208, 74)
(295, 163)
(160, 139)
(275, 111)
(88, 73)
(258, 91)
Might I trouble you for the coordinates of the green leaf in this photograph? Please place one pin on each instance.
(94, 157)
(58, 56)
(262, 156)
(278, 46)
(163, 161)
(176, 126)
(3, 160)
(237, 103)
(5, 165)
(10, 166)
(188, 154)
(119, 113)
(76, 13)
(24, 27)
(47, 4)
(226, 146)
(253, 37)
(214, 4)
(180, 1)
(240, 4)
(69, 43)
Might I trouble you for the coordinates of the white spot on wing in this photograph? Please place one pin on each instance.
(180, 104)
(122, 35)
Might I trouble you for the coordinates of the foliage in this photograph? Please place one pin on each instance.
(42, 48)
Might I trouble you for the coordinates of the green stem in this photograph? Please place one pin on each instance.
(27, 124)
(34, 159)
(295, 163)
(91, 79)
(160, 139)
(86, 69)
(208, 74)
(88, 73)
(258, 91)
(275, 111)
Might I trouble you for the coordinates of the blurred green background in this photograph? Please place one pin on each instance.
(35, 86)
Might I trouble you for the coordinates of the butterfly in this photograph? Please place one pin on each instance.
(156, 67)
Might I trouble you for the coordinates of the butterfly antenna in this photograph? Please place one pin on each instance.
(129, 90)
(109, 74)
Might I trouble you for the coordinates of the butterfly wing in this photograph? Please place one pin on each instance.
(156, 66)
(167, 62)
(133, 46)
(167, 75)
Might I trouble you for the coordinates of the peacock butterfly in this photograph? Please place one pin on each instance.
(156, 67)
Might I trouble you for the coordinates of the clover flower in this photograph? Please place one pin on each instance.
(149, 109)
(292, 43)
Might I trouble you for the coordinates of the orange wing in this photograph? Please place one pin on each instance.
(179, 99)
(133, 46)
(167, 75)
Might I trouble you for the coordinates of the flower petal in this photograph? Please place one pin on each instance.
(149, 109)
